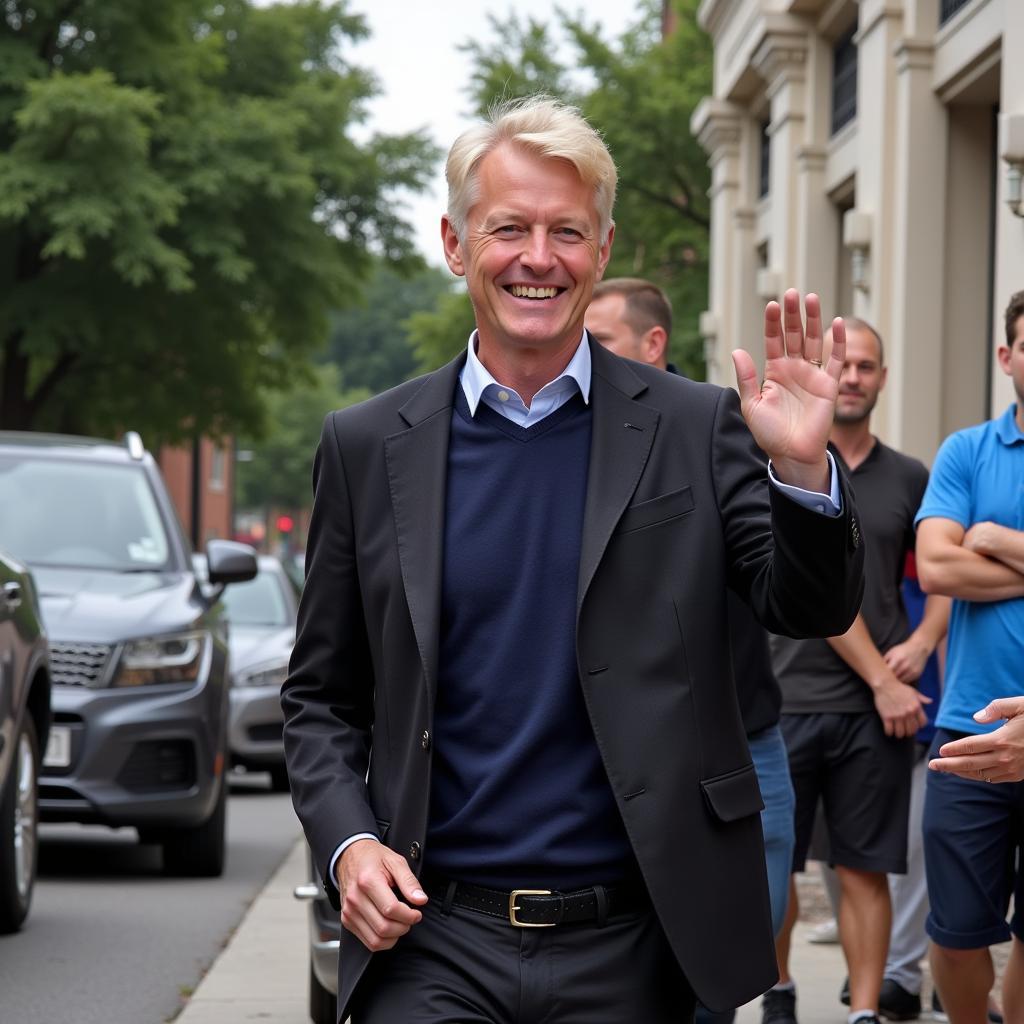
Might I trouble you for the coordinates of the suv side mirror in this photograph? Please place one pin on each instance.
(230, 562)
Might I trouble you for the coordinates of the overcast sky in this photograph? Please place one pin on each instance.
(412, 50)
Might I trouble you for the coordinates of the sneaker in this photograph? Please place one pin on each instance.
(824, 934)
(778, 1006)
(896, 1003)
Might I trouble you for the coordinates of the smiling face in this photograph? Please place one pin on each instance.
(862, 378)
(531, 254)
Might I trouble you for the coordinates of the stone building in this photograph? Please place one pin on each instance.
(872, 151)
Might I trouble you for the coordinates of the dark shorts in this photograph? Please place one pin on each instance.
(973, 833)
(862, 778)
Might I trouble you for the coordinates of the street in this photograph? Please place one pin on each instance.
(111, 940)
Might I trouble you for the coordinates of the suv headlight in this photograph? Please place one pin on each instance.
(269, 673)
(172, 658)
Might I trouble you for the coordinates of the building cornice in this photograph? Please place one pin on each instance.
(781, 55)
(716, 125)
(916, 54)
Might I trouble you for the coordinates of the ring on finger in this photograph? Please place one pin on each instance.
(816, 362)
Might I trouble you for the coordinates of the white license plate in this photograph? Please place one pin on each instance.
(58, 747)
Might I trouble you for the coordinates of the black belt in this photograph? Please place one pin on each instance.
(540, 908)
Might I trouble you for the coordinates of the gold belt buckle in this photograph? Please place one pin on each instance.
(512, 908)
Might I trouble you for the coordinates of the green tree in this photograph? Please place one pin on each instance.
(278, 474)
(370, 340)
(182, 201)
(438, 335)
(639, 91)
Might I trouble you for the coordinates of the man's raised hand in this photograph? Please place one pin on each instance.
(790, 412)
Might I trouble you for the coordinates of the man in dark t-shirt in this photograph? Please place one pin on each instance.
(849, 709)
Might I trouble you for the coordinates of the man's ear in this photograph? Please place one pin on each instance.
(452, 248)
(1003, 355)
(653, 345)
(604, 254)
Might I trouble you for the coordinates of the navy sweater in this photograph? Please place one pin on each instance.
(519, 794)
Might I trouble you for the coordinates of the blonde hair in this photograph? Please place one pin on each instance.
(540, 125)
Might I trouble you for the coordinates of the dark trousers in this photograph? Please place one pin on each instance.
(468, 968)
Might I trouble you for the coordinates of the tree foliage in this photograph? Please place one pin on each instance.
(182, 200)
(639, 90)
(278, 474)
(370, 340)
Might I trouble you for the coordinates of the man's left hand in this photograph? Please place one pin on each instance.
(907, 660)
(993, 756)
(790, 412)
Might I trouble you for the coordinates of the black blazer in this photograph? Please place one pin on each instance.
(678, 506)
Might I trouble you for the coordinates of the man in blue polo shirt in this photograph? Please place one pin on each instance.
(970, 545)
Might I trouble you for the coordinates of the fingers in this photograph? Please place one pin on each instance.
(1004, 707)
(746, 373)
(813, 339)
(773, 340)
(837, 354)
(371, 910)
(793, 324)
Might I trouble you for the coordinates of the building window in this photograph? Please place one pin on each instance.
(948, 8)
(844, 81)
(766, 162)
(217, 469)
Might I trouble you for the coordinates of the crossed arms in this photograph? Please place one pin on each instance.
(983, 563)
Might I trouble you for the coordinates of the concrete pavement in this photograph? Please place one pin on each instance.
(262, 975)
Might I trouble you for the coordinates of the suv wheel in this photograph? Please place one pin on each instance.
(19, 820)
(200, 850)
(323, 1004)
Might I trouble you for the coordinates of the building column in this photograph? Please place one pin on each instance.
(716, 126)
(1009, 255)
(878, 33)
(915, 329)
(780, 60)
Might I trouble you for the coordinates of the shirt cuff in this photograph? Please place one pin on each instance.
(830, 504)
(343, 847)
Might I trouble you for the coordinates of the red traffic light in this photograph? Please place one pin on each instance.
(285, 524)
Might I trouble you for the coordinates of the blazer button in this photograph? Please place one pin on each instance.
(414, 851)
(425, 740)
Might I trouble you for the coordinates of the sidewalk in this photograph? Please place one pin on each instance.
(263, 973)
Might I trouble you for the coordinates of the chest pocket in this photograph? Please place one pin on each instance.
(662, 509)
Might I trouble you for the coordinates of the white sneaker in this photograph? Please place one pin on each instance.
(824, 934)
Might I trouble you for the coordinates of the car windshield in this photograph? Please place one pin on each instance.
(80, 515)
(257, 602)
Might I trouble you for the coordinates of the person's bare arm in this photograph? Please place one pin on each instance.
(908, 659)
(897, 704)
(1002, 543)
(946, 566)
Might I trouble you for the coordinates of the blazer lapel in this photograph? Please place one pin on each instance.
(417, 464)
(622, 435)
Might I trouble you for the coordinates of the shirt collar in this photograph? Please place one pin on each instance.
(476, 378)
(1006, 427)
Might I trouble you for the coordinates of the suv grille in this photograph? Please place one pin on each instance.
(78, 664)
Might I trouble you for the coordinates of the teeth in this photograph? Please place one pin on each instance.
(521, 291)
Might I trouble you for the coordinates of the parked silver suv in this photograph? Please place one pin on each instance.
(139, 653)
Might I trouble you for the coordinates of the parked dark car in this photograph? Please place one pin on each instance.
(138, 652)
(324, 939)
(24, 728)
(261, 616)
